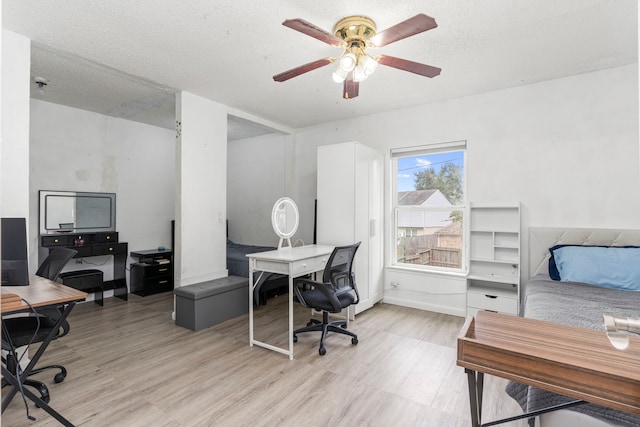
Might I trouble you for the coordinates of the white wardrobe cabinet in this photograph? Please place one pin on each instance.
(349, 209)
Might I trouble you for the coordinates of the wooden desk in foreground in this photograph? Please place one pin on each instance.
(575, 362)
(40, 292)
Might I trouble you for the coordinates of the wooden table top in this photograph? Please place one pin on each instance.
(575, 362)
(40, 292)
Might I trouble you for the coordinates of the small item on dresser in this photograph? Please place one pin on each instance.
(79, 241)
(161, 248)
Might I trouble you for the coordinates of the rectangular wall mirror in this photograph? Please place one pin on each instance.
(74, 211)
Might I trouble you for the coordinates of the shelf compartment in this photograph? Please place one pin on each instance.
(503, 272)
(507, 239)
(481, 244)
(506, 254)
(495, 218)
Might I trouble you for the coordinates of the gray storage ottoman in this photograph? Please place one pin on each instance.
(204, 304)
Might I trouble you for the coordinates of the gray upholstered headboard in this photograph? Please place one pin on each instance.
(542, 238)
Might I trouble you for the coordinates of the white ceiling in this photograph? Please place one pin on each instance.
(127, 58)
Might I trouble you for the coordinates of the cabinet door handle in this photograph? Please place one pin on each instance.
(491, 296)
(162, 269)
(108, 237)
(56, 241)
(110, 249)
(161, 282)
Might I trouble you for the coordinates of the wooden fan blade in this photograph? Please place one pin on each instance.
(406, 65)
(311, 30)
(294, 72)
(351, 87)
(404, 29)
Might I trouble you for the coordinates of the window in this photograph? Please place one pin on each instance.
(428, 202)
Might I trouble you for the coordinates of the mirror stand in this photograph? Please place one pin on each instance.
(284, 218)
(282, 241)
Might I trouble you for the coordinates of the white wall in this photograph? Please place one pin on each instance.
(257, 175)
(14, 165)
(201, 190)
(567, 149)
(78, 150)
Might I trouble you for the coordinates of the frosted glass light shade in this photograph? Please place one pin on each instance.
(348, 62)
(339, 75)
(359, 74)
(368, 64)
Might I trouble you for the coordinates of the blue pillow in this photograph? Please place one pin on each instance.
(553, 269)
(608, 267)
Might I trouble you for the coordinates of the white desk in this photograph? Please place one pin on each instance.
(294, 262)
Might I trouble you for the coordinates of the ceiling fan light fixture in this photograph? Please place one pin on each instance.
(339, 74)
(359, 74)
(348, 62)
(368, 64)
(354, 35)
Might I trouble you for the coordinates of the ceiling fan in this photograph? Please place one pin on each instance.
(354, 34)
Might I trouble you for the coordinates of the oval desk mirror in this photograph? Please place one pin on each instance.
(284, 218)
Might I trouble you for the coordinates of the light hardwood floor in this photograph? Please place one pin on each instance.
(130, 365)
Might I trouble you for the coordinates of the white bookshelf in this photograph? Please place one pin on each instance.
(493, 282)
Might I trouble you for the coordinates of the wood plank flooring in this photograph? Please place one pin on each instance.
(130, 365)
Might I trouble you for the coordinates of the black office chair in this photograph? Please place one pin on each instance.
(34, 328)
(337, 291)
(55, 262)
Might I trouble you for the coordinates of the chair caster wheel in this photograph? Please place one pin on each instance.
(354, 341)
(295, 338)
(322, 351)
(59, 377)
(46, 398)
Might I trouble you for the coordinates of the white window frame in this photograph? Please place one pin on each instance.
(438, 148)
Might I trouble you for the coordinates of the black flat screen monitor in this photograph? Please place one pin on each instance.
(15, 265)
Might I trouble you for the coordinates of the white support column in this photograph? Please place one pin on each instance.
(201, 190)
(14, 166)
(14, 137)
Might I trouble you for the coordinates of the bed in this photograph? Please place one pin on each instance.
(238, 265)
(575, 303)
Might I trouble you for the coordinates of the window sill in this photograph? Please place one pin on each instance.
(428, 271)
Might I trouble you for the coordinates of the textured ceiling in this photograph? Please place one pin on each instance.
(127, 58)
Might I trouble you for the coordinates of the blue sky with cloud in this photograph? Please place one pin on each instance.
(409, 166)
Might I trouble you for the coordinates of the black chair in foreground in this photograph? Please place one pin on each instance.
(337, 291)
(35, 327)
(55, 262)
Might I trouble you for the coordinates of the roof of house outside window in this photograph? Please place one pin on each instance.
(416, 197)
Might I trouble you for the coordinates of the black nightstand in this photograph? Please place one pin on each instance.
(153, 273)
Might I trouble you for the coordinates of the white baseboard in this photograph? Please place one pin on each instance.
(424, 306)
